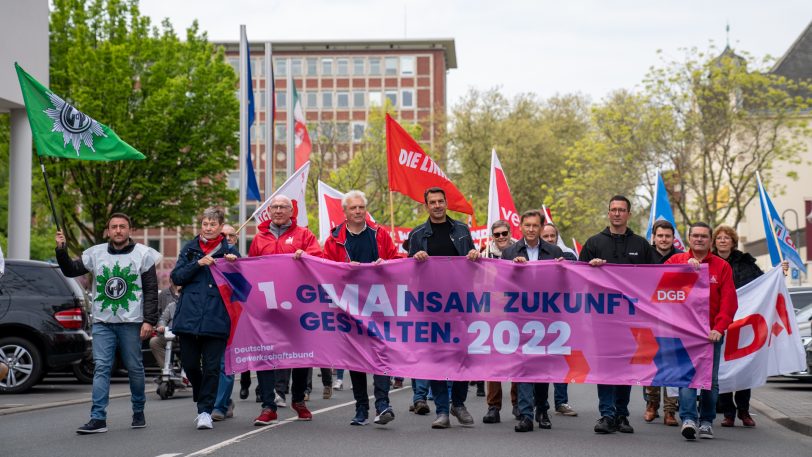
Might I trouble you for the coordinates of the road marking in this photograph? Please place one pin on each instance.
(168, 455)
(239, 438)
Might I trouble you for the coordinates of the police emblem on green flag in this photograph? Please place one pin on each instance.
(61, 130)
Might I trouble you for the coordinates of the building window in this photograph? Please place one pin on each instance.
(358, 66)
(154, 243)
(343, 132)
(358, 131)
(392, 96)
(391, 64)
(326, 131)
(407, 65)
(358, 100)
(234, 180)
(343, 67)
(326, 67)
(281, 68)
(312, 67)
(407, 98)
(257, 67)
(375, 99)
(235, 64)
(257, 132)
(343, 99)
(281, 99)
(374, 66)
(312, 99)
(326, 99)
(296, 67)
(259, 99)
(281, 134)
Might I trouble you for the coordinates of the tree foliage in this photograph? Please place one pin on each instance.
(727, 122)
(172, 100)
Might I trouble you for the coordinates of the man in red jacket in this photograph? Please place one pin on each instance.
(723, 305)
(281, 235)
(357, 241)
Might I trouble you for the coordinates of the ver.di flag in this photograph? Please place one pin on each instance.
(777, 236)
(661, 209)
(500, 202)
(412, 171)
(763, 339)
(559, 241)
(61, 130)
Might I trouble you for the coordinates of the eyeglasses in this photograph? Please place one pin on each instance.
(500, 234)
(279, 207)
(231, 236)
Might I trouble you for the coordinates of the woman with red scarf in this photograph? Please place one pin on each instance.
(201, 320)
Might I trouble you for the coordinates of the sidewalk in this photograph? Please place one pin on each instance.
(786, 401)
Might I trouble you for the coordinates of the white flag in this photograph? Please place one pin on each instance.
(294, 188)
(763, 339)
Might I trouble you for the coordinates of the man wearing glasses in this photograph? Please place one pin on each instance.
(619, 245)
(281, 235)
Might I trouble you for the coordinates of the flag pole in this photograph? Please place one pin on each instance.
(392, 213)
(244, 145)
(50, 196)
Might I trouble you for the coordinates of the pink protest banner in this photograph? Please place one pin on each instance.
(450, 318)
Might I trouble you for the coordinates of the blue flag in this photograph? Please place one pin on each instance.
(776, 234)
(661, 209)
(252, 192)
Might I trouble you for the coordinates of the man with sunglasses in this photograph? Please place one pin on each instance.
(616, 244)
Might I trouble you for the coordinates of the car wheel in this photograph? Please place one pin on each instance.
(84, 370)
(25, 364)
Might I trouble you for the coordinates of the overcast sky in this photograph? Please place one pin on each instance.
(545, 47)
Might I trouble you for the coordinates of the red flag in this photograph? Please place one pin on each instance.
(500, 202)
(302, 139)
(331, 213)
(412, 171)
(578, 247)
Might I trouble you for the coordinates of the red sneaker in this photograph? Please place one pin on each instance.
(302, 411)
(728, 421)
(266, 417)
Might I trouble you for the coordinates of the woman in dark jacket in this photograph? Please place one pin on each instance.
(201, 320)
(745, 270)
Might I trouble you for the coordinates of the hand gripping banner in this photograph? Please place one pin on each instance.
(451, 318)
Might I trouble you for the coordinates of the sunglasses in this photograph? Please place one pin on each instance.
(500, 234)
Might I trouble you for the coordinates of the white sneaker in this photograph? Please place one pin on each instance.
(280, 402)
(203, 421)
(706, 431)
(338, 384)
(689, 429)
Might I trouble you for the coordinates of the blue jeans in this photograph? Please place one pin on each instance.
(687, 396)
(459, 393)
(224, 388)
(106, 338)
(613, 400)
(526, 394)
(560, 394)
(421, 389)
(380, 385)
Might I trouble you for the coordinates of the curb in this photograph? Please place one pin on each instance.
(25, 409)
(781, 418)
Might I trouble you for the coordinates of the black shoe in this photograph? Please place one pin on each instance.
(524, 425)
(243, 393)
(492, 416)
(544, 420)
(139, 421)
(421, 407)
(605, 425)
(516, 414)
(93, 426)
(480, 389)
(623, 426)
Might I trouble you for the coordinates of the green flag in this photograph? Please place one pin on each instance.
(61, 130)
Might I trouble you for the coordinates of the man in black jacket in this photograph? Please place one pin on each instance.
(530, 249)
(125, 307)
(616, 244)
(442, 236)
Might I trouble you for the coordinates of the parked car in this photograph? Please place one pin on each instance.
(801, 297)
(44, 323)
(802, 302)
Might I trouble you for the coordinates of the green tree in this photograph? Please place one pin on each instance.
(172, 100)
(728, 122)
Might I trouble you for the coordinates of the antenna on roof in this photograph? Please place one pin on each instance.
(727, 34)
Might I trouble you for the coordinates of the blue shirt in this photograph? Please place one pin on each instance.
(362, 247)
